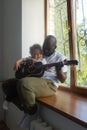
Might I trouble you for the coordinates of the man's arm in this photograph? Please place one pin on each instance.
(61, 75)
(59, 71)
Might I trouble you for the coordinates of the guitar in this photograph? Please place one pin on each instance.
(38, 68)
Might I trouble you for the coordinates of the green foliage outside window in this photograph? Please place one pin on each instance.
(61, 33)
(82, 54)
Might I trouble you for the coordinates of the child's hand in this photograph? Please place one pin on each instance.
(17, 64)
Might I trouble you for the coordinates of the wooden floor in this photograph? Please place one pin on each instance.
(69, 105)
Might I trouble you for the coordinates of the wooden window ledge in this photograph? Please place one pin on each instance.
(68, 104)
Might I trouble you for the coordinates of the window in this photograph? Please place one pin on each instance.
(67, 20)
(81, 22)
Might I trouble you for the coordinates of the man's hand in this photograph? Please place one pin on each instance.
(59, 66)
(60, 74)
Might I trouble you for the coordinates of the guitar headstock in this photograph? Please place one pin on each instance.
(71, 62)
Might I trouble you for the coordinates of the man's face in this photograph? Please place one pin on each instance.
(48, 49)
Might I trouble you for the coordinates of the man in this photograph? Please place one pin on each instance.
(29, 88)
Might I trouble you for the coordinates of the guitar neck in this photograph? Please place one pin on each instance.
(62, 63)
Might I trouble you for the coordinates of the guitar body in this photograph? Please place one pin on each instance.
(26, 71)
(37, 70)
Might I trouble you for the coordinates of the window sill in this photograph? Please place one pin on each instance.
(68, 104)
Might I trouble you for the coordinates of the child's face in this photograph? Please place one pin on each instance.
(37, 54)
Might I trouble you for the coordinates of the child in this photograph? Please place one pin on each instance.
(36, 55)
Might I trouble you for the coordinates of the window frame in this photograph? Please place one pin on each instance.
(72, 40)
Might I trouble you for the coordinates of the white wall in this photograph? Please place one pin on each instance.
(32, 24)
(58, 121)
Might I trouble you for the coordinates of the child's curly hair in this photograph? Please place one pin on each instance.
(34, 47)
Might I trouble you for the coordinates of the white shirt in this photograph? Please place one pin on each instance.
(51, 73)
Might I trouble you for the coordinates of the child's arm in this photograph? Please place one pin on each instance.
(17, 64)
(20, 61)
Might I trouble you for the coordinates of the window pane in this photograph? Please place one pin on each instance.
(82, 42)
(57, 25)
